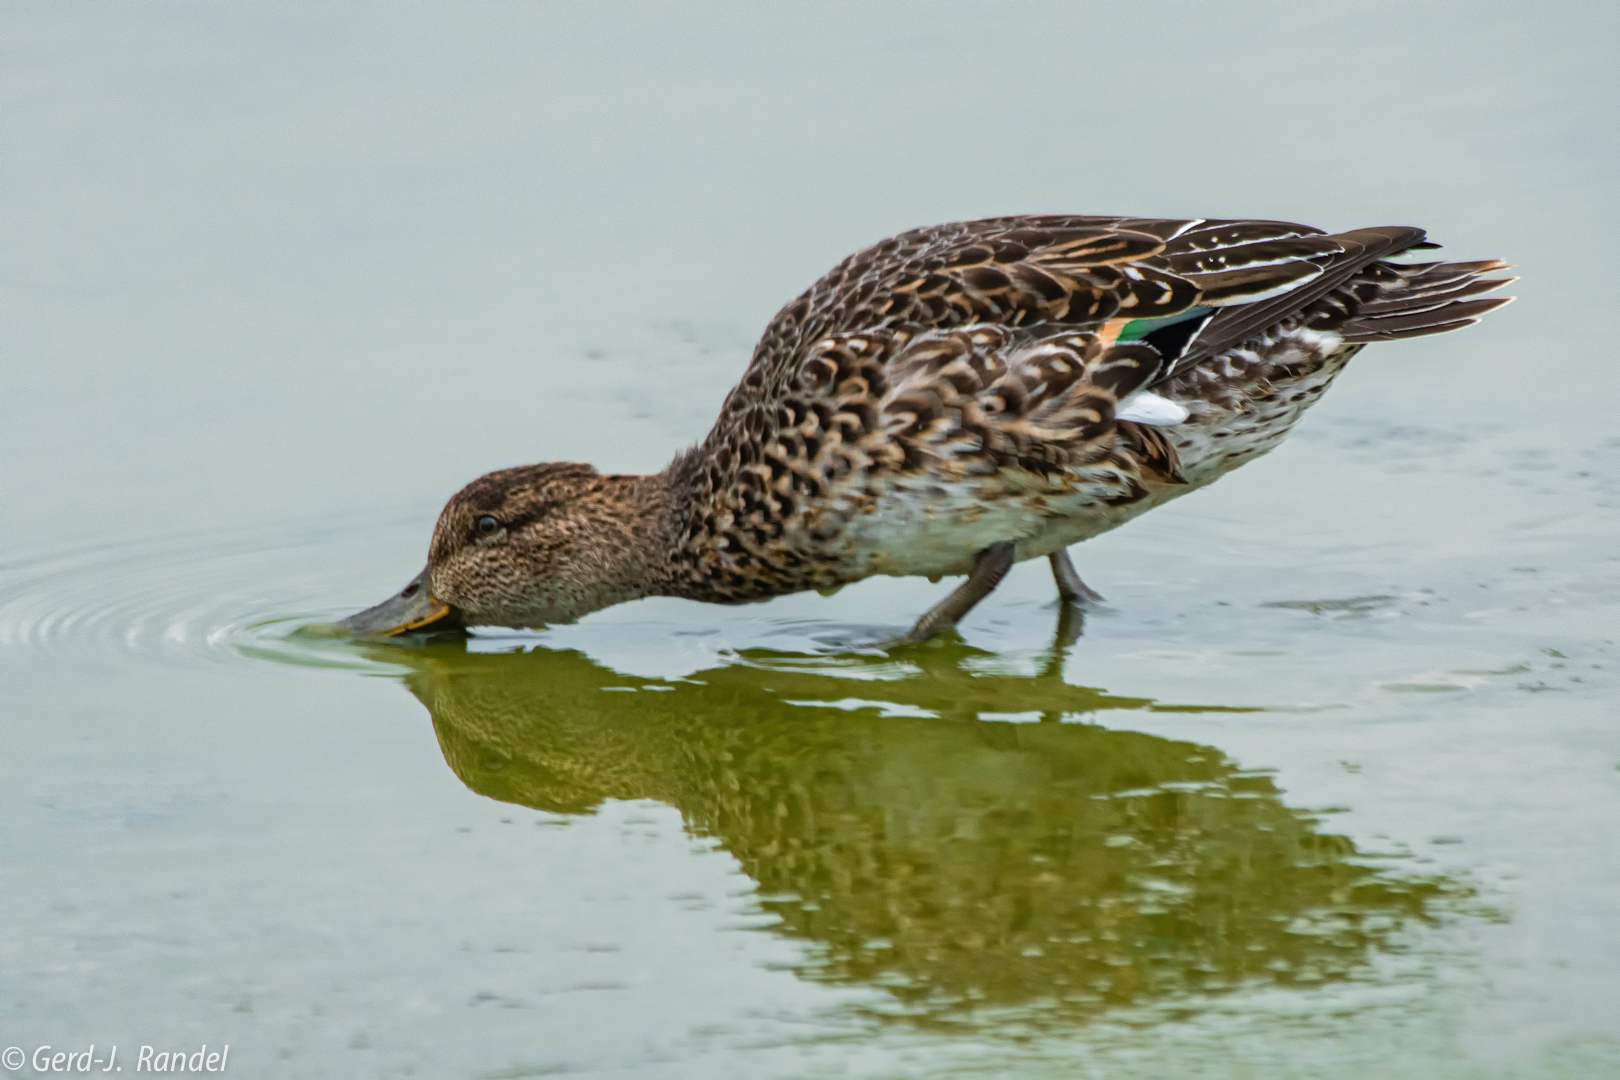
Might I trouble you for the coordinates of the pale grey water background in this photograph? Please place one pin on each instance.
(278, 278)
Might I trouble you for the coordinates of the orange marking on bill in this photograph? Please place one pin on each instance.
(438, 610)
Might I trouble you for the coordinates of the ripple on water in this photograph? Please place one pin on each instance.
(225, 598)
(191, 599)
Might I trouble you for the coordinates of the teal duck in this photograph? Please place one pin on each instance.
(951, 401)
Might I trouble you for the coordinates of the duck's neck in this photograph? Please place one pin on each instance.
(666, 504)
(629, 536)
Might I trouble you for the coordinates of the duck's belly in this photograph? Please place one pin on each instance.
(919, 525)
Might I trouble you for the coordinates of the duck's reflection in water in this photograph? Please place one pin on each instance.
(958, 863)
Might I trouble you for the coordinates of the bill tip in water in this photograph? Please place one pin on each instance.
(414, 609)
(321, 631)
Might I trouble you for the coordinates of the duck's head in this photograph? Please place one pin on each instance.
(525, 547)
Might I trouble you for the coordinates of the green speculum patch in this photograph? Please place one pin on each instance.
(1137, 329)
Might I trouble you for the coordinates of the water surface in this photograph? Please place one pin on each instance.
(1327, 788)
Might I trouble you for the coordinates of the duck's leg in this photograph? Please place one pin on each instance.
(1071, 590)
(989, 567)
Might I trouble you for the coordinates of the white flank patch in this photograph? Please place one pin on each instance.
(1147, 407)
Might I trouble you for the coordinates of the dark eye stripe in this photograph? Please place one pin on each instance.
(518, 521)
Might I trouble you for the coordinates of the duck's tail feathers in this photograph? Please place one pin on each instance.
(1428, 298)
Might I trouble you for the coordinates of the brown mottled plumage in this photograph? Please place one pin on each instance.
(949, 401)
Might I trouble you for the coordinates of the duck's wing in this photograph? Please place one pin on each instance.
(1337, 259)
(1055, 274)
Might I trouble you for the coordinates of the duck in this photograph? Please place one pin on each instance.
(949, 402)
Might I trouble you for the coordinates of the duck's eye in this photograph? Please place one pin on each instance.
(487, 525)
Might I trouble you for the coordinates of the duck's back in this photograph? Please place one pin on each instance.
(1037, 379)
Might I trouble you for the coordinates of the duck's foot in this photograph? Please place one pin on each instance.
(1071, 590)
(989, 567)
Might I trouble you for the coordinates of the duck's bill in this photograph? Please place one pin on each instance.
(411, 610)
